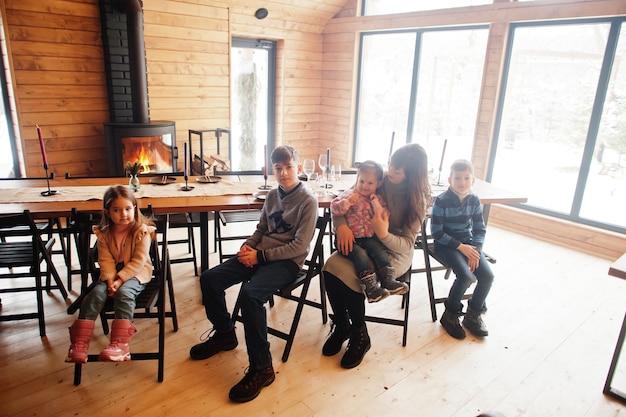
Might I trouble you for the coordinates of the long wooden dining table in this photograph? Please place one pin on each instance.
(227, 193)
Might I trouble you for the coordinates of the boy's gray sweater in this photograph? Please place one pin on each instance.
(286, 226)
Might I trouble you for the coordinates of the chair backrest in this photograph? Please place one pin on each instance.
(315, 261)
(22, 225)
(18, 224)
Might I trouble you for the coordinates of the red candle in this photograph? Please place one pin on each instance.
(42, 147)
(265, 163)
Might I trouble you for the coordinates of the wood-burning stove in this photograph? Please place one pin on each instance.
(153, 145)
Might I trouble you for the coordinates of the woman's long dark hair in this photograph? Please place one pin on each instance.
(413, 160)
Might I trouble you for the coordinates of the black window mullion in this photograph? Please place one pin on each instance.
(596, 117)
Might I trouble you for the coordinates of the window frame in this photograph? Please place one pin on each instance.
(616, 24)
(270, 47)
(412, 105)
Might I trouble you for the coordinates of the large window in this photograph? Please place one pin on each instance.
(561, 131)
(9, 165)
(419, 86)
(253, 72)
(377, 7)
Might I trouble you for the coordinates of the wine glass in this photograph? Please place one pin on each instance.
(308, 166)
(321, 161)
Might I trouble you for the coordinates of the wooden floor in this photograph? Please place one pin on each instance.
(554, 315)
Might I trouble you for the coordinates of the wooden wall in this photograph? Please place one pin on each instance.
(56, 56)
(188, 53)
(55, 50)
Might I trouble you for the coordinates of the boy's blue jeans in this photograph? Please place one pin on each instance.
(365, 251)
(124, 301)
(464, 278)
(258, 284)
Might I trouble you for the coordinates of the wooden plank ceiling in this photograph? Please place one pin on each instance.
(314, 12)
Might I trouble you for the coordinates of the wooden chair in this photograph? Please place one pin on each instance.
(22, 254)
(188, 221)
(312, 267)
(151, 301)
(427, 245)
(404, 305)
(63, 229)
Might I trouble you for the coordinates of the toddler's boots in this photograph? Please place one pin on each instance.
(387, 275)
(80, 334)
(119, 349)
(372, 288)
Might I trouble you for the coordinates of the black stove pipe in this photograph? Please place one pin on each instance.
(137, 58)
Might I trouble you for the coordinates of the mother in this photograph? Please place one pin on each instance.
(406, 191)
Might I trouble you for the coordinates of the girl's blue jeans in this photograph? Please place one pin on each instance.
(124, 301)
(464, 278)
(365, 251)
(258, 284)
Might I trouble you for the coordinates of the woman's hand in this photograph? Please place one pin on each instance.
(380, 223)
(345, 239)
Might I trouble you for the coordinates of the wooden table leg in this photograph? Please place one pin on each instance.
(204, 241)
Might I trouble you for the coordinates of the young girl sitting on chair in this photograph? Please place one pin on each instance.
(124, 239)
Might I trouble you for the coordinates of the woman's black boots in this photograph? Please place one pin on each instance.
(358, 345)
(339, 333)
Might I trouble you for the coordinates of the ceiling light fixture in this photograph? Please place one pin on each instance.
(261, 13)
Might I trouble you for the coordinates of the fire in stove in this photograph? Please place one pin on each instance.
(151, 152)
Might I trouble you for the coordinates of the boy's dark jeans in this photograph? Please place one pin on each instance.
(258, 284)
(464, 278)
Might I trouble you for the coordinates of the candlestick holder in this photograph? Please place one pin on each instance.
(48, 192)
(186, 187)
(265, 186)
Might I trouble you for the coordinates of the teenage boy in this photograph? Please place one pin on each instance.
(268, 260)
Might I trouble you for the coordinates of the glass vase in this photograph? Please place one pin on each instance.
(133, 183)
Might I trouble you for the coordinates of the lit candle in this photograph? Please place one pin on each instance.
(186, 161)
(265, 160)
(42, 147)
(443, 153)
